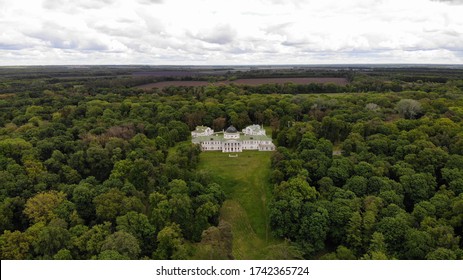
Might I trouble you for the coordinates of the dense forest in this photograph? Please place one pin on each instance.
(93, 168)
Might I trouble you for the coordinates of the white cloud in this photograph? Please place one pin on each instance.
(75, 6)
(221, 32)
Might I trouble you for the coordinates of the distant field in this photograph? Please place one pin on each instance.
(174, 83)
(249, 82)
(245, 180)
(6, 95)
(297, 81)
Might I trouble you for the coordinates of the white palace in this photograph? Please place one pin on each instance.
(231, 140)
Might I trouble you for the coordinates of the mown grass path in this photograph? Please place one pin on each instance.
(245, 180)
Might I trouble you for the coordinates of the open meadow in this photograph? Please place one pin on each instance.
(245, 180)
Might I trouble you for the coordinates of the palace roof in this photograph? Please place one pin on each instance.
(231, 129)
(220, 137)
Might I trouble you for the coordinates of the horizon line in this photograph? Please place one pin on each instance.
(235, 65)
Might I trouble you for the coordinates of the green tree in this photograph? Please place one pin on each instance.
(89, 242)
(354, 143)
(99, 162)
(354, 232)
(122, 242)
(418, 187)
(341, 253)
(377, 249)
(286, 210)
(11, 214)
(394, 230)
(14, 147)
(340, 212)
(63, 254)
(14, 245)
(83, 195)
(313, 229)
(409, 108)
(357, 185)
(441, 254)
(340, 171)
(138, 225)
(417, 245)
(42, 207)
(217, 242)
(422, 210)
(112, 255)
(114, 203)
(171, 244)
(47, 240)
(334, 129)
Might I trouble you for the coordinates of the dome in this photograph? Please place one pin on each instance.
(231, 129)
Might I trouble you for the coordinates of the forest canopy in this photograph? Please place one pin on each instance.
(98, 169)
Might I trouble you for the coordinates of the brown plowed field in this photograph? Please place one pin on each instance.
(249, 82)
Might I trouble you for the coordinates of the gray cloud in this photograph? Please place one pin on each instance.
(453, 2)
(113, 30)
(119, 27)
(279, 29)
(283, 2)
(263, 31)
(59, 37)
(147, 2)
(12, 46)
(222, 34)
(294, 43)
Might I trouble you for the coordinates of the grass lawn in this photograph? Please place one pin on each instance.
(245, 180)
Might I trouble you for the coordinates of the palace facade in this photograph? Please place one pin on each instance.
(231, 140)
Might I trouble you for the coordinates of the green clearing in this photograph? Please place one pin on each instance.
(245, 180)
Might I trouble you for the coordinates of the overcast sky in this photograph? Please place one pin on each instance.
(230, 32)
